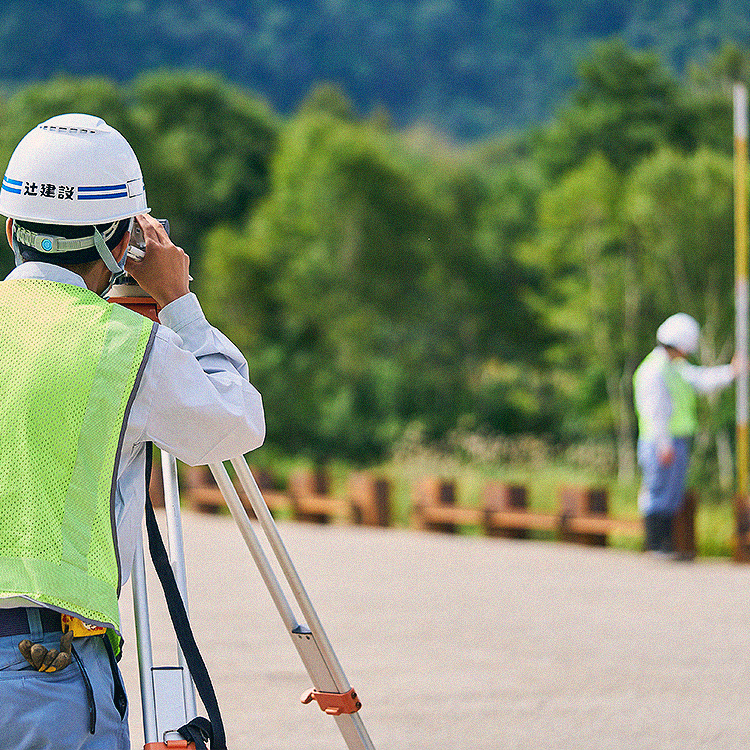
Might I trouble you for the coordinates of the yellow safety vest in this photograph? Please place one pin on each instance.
(69, 366)
(684, 419)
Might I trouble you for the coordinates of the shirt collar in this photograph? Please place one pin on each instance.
(31, 269)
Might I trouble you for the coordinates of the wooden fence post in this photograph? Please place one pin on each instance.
(579, 502)
(310, 497)
(370, 500)
(499, 496)
(431, 492)
(683, 527)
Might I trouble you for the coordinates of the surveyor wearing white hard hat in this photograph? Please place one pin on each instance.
(87, 385)
(665, 387)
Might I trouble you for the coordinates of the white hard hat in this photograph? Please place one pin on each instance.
(681, 332)
(73, 169)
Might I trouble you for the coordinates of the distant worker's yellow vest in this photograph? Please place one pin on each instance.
(684, 419)
(69, 367)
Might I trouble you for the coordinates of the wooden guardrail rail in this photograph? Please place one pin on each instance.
(586, 520)
(434, 507)
(582, 515)
(310, 498)
(200, 492)
(503, 511)
(506, 512)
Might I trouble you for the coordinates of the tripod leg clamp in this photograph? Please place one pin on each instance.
(334, 704)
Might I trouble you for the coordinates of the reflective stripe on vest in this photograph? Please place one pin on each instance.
(69, 367)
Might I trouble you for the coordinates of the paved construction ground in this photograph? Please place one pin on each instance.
(464, 643)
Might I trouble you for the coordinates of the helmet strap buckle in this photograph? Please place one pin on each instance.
(46, 243)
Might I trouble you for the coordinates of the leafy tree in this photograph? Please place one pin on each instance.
(594, 274)
(681, 209)
(472, 68)
(203, 145)
(622, 109)
(328, 254)
(205, 148)
(377, 278)
(358, 288)
(510, 390)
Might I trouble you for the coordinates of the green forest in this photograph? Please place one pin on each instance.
(470, 68)
(386, 282)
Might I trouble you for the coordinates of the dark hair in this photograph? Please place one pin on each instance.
(75, 257)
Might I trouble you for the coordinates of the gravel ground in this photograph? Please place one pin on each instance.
(468, 643)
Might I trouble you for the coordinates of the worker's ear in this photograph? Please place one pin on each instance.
(9, 231)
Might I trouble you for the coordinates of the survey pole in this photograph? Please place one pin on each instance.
(741, 285)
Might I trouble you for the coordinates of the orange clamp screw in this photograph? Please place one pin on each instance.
(334, 704)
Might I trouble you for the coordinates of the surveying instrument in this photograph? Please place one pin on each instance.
(168, 693)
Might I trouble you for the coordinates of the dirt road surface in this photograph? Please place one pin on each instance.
(467, 643)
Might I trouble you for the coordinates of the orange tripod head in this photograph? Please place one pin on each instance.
(128, 293)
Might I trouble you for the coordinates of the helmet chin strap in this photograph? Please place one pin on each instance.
(16, 250)
(116, 268)
(105, 254)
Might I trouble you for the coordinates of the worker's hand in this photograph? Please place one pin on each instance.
(666, 456)
(44, 660)
(163, 272)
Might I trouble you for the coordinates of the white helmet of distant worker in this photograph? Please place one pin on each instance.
(681, 332)
(79, 179)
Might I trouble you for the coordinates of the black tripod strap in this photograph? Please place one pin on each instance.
(181, 623)
(198, 731)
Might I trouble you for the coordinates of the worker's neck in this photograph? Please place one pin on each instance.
(95, 275)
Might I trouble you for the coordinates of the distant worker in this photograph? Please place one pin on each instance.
(665, 388)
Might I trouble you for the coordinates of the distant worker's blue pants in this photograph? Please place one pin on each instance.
(663, 487)
(40, 711)
(662, 491)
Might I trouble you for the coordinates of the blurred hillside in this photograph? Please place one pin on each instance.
(468, 68)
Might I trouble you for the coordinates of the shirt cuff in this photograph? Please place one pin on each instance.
(181, 312)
